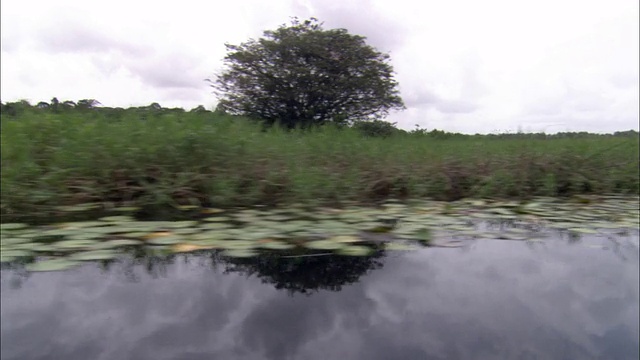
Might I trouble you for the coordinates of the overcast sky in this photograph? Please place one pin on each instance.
(463, 65)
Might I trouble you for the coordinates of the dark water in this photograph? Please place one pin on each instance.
(491, 300)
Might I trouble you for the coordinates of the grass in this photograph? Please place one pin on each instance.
(160, 161)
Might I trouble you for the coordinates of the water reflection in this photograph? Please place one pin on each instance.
(494, 299)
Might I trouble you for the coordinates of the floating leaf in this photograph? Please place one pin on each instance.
(43, 248)
(211, 211)
(164, 240)
(188, 207)
(323, 245)
(186, 247)
(239, 253)
(12, 226)
(424, 235)
(218, 219)
(81, 224)
(276, 245)
(355, 250)
(448, 244)
(182, 224)
(345, 239)
(51, 265)
(14, 240)
(216, 226)
(10, 255)
(583, 230)
(78, 208)
(115, 243)
(126, 209)
(507, 236)
(238, 244)
(394, 246)
(117, 219)
(186, 231)
(73, 244)
(94, 255)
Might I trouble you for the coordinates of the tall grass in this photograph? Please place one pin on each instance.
(162, 161)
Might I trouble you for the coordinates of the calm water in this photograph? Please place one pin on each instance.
(491, 300)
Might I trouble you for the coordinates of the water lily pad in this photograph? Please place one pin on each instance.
(10, 255)
(42, 248)
(395, 246)
(276, 245)
(324, 245)
(216, 226)
(240, 253)
(424, 235)
(186, 231)
(126, 209)
(117, 219)
(85, 236)
(187, 247)
(57, 232)
(94, 255)
(78, 208)
(238, 244)
(188, 207)
(73, 244)
(211, 211)
(345, 239)
(182, 224)
(13, 226)
(218, 219)
(583, 230)
(508, 236)
(281, 217)
(135, 234)
(115, 243)
(165, 240)
(106, 230)
(51, 265)
(354, 250)
(448, 244)
(14, 240)
(81, 224)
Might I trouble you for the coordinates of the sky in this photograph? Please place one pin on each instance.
(462, 65)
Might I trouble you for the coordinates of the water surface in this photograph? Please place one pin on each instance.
(492, 299)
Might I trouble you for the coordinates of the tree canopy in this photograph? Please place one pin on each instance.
(301, 75)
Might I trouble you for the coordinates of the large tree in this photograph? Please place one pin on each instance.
(301, 75)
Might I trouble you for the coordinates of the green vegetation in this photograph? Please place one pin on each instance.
(161, 159)
(299, 232)
(302, 75)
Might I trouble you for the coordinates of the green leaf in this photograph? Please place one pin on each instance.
(73, 244)
(51, 265)
(355, 250)
(93, 255)
(324, 245)
(13, 226)
(424, 235)
(239, 253)
(165, 240)
(276, 245)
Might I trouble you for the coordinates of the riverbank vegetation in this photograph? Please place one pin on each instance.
(161, 159)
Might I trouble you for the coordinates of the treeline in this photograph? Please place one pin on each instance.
(374, 128)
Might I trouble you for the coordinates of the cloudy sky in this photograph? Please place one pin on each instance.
(463, 65)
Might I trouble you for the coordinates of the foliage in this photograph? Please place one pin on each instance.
(292, 274)
(158, 158)
(302, 75)
(376, 128)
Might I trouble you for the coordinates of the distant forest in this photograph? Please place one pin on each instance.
(21, 108)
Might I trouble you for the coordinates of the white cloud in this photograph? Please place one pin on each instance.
(463, 65)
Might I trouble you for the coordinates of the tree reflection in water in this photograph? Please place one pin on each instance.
(303, 273)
